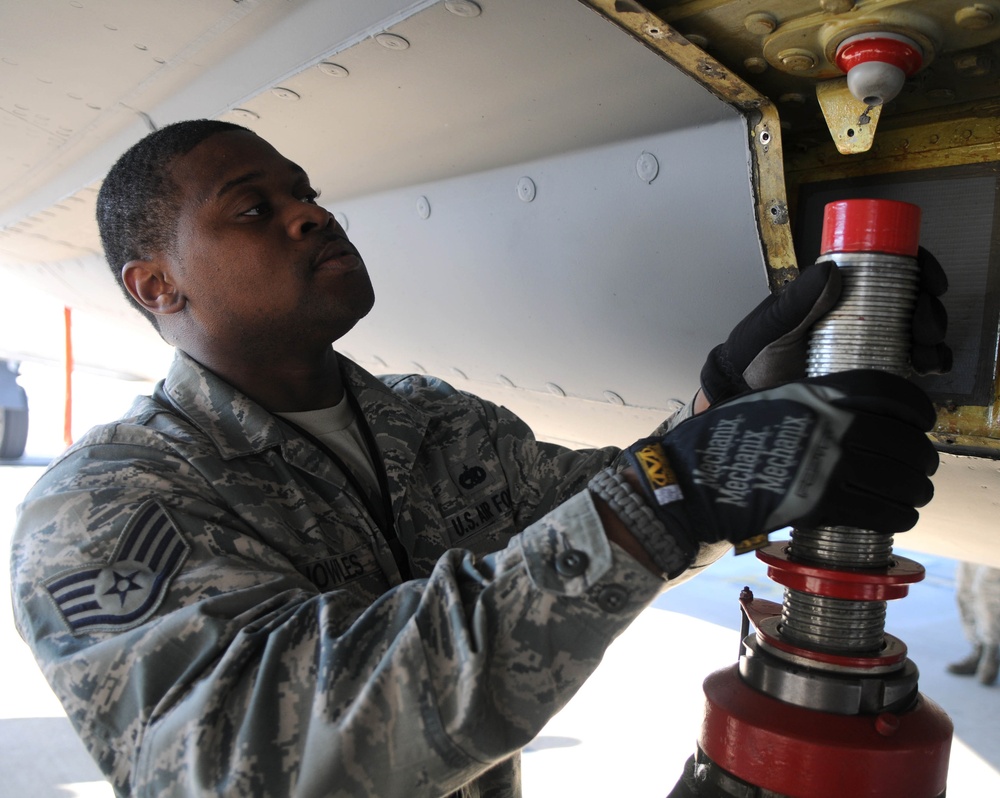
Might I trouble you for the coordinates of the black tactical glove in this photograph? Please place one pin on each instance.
(930, 355)
(845, 449)
(768, 347)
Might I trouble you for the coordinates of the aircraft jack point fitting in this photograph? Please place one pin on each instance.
(877, 64)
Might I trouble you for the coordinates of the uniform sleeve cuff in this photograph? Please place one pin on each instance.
(567, 552)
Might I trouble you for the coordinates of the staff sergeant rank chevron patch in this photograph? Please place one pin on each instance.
(123, 592)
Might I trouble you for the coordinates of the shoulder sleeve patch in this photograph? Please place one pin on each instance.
(123, 592)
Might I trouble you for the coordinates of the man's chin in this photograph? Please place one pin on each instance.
(350, 323)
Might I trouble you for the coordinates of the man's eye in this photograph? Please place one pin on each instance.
(257, 210)
(311, 196)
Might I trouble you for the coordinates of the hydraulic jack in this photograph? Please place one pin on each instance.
(823, 703)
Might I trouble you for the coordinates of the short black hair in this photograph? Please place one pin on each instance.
(137, 205)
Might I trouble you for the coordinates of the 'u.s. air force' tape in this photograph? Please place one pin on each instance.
(123, 592)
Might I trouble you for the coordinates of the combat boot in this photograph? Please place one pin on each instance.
(969, 665)
(989, 665)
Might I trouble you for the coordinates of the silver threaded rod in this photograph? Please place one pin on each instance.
(869, 329)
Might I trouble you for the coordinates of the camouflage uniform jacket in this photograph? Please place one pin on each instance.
(220, 614)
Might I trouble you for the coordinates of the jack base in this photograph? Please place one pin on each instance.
(785, 750)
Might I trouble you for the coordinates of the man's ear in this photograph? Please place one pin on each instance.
(152, 287)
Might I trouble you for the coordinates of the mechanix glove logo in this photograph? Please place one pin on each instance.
(124, 591)
(755, 464)
(739, 459)
(652, 461)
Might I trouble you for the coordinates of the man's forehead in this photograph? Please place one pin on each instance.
(229, 159)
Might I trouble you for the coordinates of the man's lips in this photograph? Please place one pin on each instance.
(336, 254)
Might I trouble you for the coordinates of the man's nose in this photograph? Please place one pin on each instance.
(306, 217)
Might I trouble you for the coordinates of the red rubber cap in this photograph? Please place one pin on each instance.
(896, 51)
(871, 225)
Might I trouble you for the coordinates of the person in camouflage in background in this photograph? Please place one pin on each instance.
(280, 575)
(978, 595)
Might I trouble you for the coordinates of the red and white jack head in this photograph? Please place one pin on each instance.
(877, 64)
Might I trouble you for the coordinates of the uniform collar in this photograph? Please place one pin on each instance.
(238, 426)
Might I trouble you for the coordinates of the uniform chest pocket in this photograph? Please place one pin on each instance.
(473, 497)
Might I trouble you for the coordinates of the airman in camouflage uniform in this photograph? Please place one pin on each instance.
(219, 607)
(220, 615)
(225, 609)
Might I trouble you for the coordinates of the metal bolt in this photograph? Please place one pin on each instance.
(333, 70)
(755, 64)
(797, 59)
(760, 24)
(285, 94)
(975, 17)
(525, 189)
(837, 6)
(973, 64)
(887, 724)
(463, 8)
(391, 41)
(778, 211)
(647, 167)
(423, 207)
